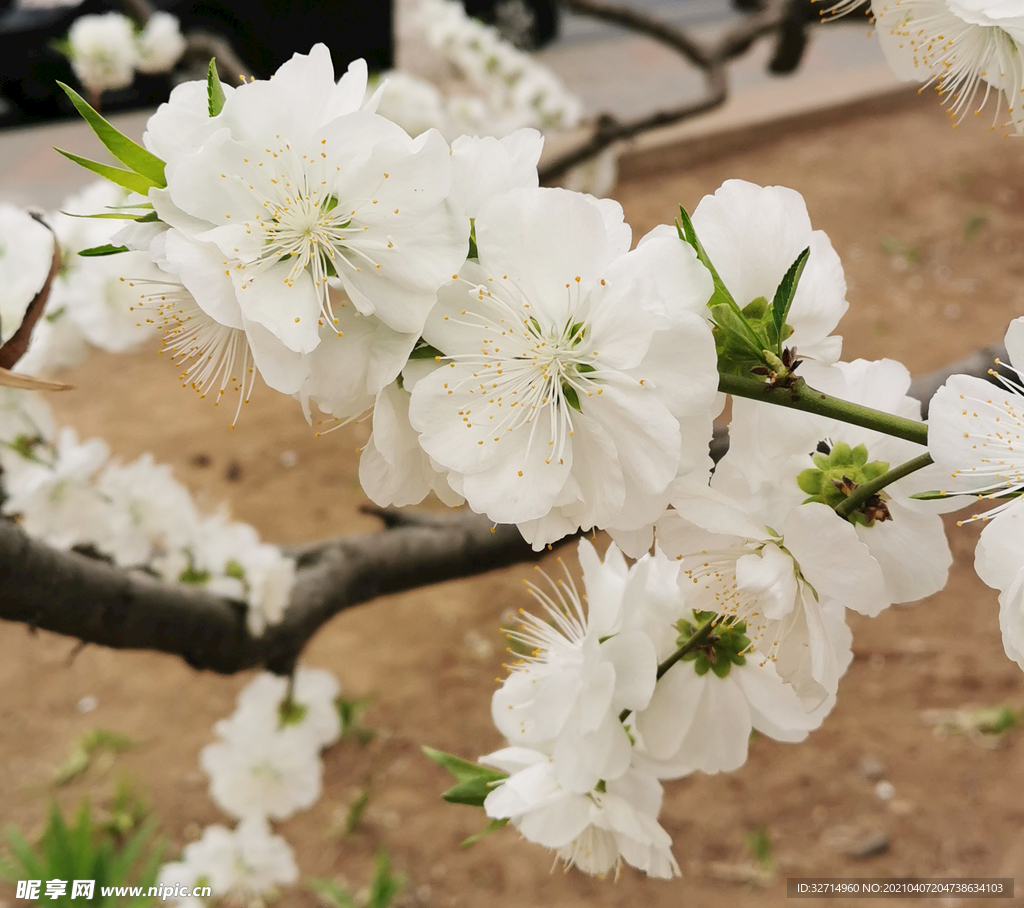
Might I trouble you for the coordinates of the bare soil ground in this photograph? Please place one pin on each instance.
(930, 225)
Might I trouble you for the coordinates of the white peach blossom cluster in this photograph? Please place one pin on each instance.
(264, 766)
(71, 494)
(519, 354)
(107, 49)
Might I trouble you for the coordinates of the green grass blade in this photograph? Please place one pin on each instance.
(129, 153)
(27, 858)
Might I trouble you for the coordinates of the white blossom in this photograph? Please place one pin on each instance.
(394, 471)
(26, 253)
(241, 864)
(297, 183)
(256, 771)
(783, 456)
(24, 416)
(568, 691)
(52, 491)
(974, 429)
(969, 50)
(999, 561)
(311, 712)
(160, 44)
(98, 293)
(413, 103)
(486, 167)
(102, 51)
(752, 235)
(790, 582)
(595, 831)
(151, 513)
(577, 378)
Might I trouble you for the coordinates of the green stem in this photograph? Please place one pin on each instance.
(800, 396)
(863, 492)
(696, 640)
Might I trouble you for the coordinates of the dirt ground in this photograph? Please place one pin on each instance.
(930, 225)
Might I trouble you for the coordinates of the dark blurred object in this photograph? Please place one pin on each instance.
(792, 36)
(264, 33)
(528, 24)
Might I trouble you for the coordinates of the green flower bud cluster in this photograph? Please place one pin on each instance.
(837, 473)
(725, 646)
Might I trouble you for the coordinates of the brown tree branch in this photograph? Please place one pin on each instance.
(95, 602)
(710, 57)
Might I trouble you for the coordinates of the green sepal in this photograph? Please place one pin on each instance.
(809, 481)
(214, 90)
(107, 249)
(128, 179)
(129, 153)
(571, 397)
(423, 350)
(475, 781)
(473, 254)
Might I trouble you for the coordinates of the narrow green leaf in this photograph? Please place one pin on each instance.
(129, 153)
(214, 90)
(785, 293)
(146, 218)
(688, 234)
(128, 179)
(107, 249)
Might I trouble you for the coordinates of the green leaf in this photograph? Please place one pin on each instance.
(785, 293)
(688, 234)
(731, 321)
(106, 249)
(129, 153)
(146, 218)
(126, 178)
(214, 90)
